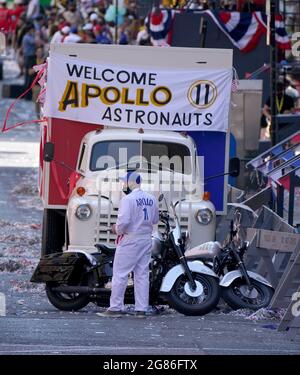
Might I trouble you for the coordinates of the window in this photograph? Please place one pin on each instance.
(168, 156)
(111, 154)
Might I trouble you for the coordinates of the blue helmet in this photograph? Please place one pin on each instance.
(132, 177)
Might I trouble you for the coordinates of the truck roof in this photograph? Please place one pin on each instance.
(134, 134)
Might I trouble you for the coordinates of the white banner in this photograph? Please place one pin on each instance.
(157, 99)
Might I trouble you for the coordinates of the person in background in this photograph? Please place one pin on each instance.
(132, 11)
(65, 31)
(143, 37)
(89, 37)
(40, 32)
(72, 16)
(29, 50)
(21, 29)
(284, 104)
(73, 37)
(85, 6)
(33, 9)
(101, 7)
(94, 18)
(290, 89)
(5, 17)
(123, 37)
(195, 4)
(55, 34)
(40, 59)
(102, 35)
(250, 6)
(18, 9)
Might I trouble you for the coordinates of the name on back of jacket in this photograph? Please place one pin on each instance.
(144, 202)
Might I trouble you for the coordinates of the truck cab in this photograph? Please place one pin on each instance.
(168, 164)
(119, 108)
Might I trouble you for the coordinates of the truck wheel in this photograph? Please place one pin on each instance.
(66, 301)
(201, 304)
(53, 234)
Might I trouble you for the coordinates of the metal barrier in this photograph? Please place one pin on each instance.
(269, 249)
(274, 252)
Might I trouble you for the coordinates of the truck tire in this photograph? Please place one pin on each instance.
(53, 233)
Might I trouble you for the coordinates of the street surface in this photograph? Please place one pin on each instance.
(33, 326)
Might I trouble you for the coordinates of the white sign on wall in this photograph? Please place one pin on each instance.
(149, 98)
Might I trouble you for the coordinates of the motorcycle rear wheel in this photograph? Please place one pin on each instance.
(66, 302)
(194, 306)
(235, 298)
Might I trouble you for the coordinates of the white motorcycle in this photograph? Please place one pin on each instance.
(240, 288)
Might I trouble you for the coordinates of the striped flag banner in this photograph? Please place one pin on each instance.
(245, 29)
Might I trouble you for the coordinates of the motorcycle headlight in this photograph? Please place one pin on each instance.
(83, 212)
(204, 216)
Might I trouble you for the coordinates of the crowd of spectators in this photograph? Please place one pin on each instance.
(31, 26)
(28, 25)
(228, 5)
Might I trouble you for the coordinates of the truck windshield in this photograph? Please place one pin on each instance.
(156, 155)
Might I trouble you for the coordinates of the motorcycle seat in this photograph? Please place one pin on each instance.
(107, 250)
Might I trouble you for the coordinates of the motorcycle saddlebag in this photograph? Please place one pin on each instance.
(59, 267)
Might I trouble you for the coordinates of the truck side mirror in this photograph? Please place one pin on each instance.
(234, 167)
(48, 151)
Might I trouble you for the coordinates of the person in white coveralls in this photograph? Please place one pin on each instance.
(138, 212)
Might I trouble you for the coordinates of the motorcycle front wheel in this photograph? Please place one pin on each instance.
(238, 295)
(66, 301)
(199, 302)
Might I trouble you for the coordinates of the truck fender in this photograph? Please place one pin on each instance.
(173, 274)
(233, 275)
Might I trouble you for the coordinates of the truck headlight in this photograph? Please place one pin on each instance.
(204, 216)
(83, 212)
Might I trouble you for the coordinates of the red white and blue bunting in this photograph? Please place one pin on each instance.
(159, 23)
(243, 29)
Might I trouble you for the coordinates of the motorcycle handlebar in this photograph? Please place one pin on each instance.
(164, 215)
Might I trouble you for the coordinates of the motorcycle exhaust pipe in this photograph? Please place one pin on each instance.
(78, 289)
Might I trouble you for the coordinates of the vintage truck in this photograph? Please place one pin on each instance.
(78, 185)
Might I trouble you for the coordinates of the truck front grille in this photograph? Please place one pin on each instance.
(103, 235)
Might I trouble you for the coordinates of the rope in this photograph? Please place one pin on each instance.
(5, 128)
